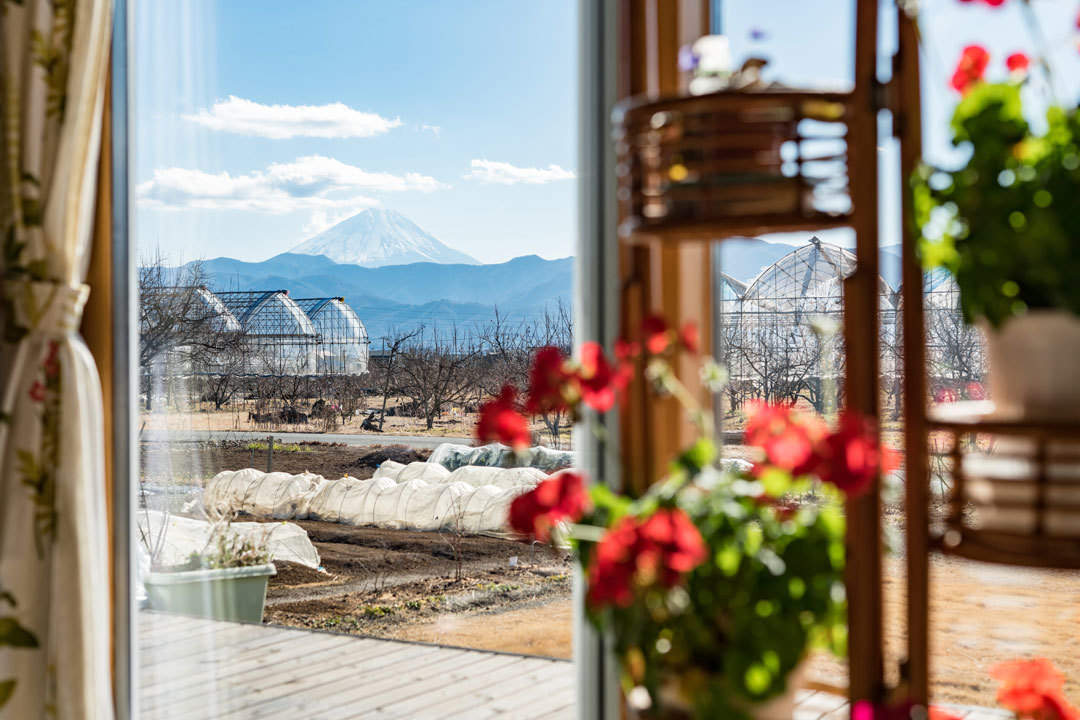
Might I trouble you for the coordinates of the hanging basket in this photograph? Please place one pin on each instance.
(732, 163)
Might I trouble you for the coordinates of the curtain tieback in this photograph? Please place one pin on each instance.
(46, 307)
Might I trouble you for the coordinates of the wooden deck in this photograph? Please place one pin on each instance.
(210, 670)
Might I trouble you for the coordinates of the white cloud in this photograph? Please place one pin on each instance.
(312, 182)
(280, 122)
(507, 174)
(321, 219)
(435, 130)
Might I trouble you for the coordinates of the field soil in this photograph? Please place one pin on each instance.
(197, 462)
(469, 591)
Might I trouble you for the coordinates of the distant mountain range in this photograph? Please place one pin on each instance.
(374, 238)
(402, 296)
(371, 259)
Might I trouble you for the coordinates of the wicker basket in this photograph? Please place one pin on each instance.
(732, 163)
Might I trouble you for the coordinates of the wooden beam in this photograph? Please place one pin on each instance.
(907, 122)
(670, 280)
(861, 342)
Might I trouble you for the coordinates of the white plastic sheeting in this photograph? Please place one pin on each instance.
(476, 476)
(277, 495)
(184, 536)
(472, 475)
(472, 500)
(453, 456)
(428, 472)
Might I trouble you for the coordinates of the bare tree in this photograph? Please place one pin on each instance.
(434, 370)
(394, 343)
(177, 312)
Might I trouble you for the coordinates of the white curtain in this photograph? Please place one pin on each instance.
(54, 562)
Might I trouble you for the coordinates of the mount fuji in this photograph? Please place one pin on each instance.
(374, 238)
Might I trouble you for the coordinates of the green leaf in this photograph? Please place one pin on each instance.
(13, 634)
(776, 482)
(7, 689)
(698, 456)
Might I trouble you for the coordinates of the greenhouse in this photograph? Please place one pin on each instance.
(280, 337)
(343, 339)
(779, 331)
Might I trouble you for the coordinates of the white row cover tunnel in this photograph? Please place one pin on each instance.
(417, 496)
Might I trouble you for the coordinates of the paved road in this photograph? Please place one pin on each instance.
(417, 441)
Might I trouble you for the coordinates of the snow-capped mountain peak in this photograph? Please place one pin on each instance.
(376, 237)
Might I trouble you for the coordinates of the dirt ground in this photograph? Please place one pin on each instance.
(198, 462)
(454, 423)
(428, 586)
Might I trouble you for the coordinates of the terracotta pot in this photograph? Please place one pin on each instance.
(1035, 366)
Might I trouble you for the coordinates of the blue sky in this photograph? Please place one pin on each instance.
(491, 80)
(462, 115)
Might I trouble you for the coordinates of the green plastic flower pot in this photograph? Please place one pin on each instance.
(237, 594)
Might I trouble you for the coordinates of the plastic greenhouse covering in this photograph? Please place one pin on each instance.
(472, 500)
(453, 456)
(472, 475)
(184, 536)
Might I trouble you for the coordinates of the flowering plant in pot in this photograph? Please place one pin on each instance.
(1005, 224)
(716, 583)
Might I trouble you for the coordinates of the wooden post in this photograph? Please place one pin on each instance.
(674, 281)
(269, 453)
(907, 125)
(861, 341)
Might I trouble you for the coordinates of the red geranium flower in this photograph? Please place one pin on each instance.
(499, 420)
(600, 383)
(991, 3)
(552, 384)
(1032, 689)
(37, 392)
(851, 457)
(790, 441)
(562, 497)
(656, 334)
(637, 553)
(678, 545)
(971, 67)
(976, 391)
(626, 349)
(690, 337)
(1018, 62)
(611, 572)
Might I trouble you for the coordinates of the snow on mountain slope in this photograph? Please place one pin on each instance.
(374, 238)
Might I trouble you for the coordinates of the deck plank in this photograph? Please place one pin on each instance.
(198, 668)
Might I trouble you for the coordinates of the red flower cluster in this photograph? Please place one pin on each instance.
(500, 421)
(1032, 689)
(849, 457)
(1018, 62)
(991, 3)
(555, 385)
(790, 440)
(971, 68)
(658, 337)
(562, 497)
(642, 552)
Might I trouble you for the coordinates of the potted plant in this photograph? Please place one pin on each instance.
(227, 580)
(715, 584)
(1006, 225)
